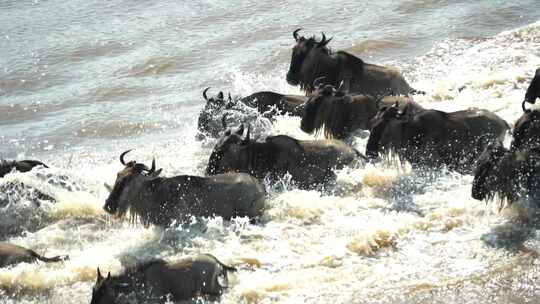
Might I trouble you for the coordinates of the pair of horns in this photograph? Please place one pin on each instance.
(100, 277)
(144, 167)
(206, 97)
(323, 42)
(319, 81)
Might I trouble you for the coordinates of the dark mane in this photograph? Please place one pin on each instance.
(147, 214)
(355, 61)
(338, 119)
(330, 116)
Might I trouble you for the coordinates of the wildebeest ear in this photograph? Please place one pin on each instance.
(99, 276)
(220, 95)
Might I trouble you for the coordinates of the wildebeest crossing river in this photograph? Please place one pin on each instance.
(82, 81)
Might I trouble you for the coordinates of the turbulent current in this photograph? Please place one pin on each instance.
(82, 81)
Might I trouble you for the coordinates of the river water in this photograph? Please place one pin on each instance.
(82, 81)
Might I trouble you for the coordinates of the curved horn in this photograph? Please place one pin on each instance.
(295, 34)
(318, 82)
(324, 41)
(99, 276)
(523, 106)
(153, 168)
(248, 134)
(224, 120)
(204, 93)
(122, 156)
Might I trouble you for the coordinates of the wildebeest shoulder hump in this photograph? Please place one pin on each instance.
(349, 60)
(284, 140)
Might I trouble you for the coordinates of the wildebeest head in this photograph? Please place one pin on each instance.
(526, 130)
(383, 129)
(227, 153)
(217, 101)
(305, 50)
(485, 175)
(317, 108)
(533, 91)
(213, 111)
(127, 184)
(103, 291)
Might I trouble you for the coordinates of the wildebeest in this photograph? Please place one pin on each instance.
(533, 91)
(210, 118)
(434, 138)
(312, 59)
(11, 254)
(505, 174)
(161, 201)
(7, 166)
(218, 111)
(309, 162)
(526, 133)
(341, 114)
(159, 281)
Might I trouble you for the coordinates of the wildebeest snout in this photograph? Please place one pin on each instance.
(110, 207)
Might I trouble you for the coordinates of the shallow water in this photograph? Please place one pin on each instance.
(82, 81)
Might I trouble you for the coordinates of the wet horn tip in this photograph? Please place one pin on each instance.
(204, 93)
(122, 156)
(153, 168)
(295, 33)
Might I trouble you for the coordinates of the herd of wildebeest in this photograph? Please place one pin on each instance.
(344, 95)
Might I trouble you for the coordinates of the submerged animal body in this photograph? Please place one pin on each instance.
(272, 103)
(526, 134)
(433, 138)
(162, 201)
(257, 109)
(506, 174)
(340, 114)
(7, 166)
(310, 163)
(312, 59)
(159, 281)
(11, 254)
